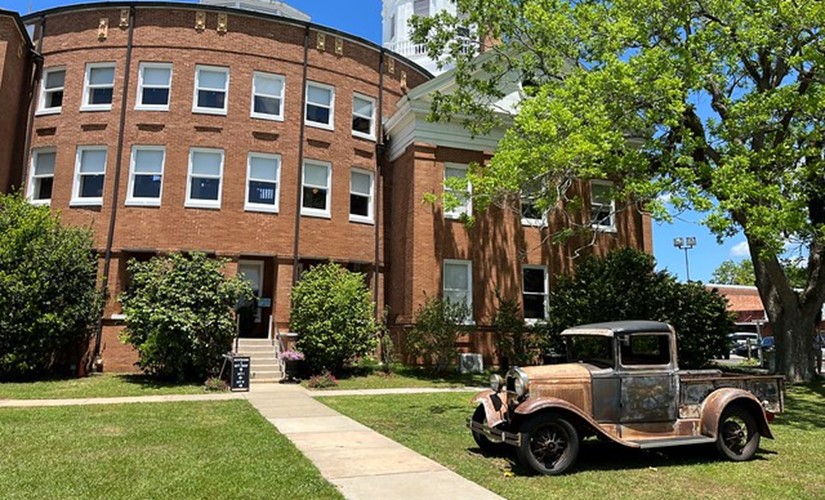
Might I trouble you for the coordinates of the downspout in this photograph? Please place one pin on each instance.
(300, 171)
(107, 259)
(35, 89)
(379, 159)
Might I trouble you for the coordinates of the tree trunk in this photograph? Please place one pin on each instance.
(794, 332)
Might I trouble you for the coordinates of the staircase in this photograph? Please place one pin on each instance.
(264, 359)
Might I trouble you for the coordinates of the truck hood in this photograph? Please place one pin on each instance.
(567, 372)
(570, 382)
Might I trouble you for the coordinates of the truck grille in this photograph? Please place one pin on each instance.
(510, 383)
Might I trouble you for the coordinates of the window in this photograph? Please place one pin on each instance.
(263, 173)
(90, 172)
(363, 116)
(645, 349)
(534, 292)
(205, 171)
(316, 189)
(530, 214)
(146, 175)
(320, 105)
(392, 27)
(360, 196)
(458, 283)
(267, 96)
(602, 206)
(211, 89)
(51, 92)
(154, 86)
(98, 87)
(42, 176)
(421, 8)
(454, 171)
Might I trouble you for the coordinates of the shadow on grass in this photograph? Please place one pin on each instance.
(450, 376)
(804, 406)
(150, 382)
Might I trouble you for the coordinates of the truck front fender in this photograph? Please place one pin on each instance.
(718, 400)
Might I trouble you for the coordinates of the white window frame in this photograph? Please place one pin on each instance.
(41, 101)
(198, 203)
(33, 177)
(458, 212)
(546, 293)
(87, 87)
(468, 264)
(314, 212)
(77, 201)
(370, 218)
(529, 221)
(601, 227)
(132, 200)
(139, 99)
(259, 207)
(371, 134)
(210, 111)
(325, 126)
(265, 116)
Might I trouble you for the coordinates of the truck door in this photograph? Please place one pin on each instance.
(649, 382)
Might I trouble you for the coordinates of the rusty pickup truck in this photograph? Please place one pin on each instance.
(622, 383)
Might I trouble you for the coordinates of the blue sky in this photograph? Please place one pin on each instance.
(363, 18)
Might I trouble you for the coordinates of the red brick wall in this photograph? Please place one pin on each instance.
(15, 74)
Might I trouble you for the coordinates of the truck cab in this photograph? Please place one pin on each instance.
(622, 383)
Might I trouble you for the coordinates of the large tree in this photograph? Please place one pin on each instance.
(719, 103)
(731, 272)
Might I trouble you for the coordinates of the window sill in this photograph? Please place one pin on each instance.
(454, 216)
(324, 126)
(534, 321)
(95, 107)
(142, 203)
(267, 209)
(359, 135)
(361, 220)
(48, 111)
(147, 107)
(40, 202)
(537, 223)
(211, 205)
(271, 118)
(209, 111)
(308, 212)
(87, 202)
(604, 229)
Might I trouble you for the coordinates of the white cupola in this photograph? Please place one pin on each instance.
(396, 16)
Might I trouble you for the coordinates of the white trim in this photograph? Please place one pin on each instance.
(469, 205)
(33, 177)
(601, 227)
(266, 116)
(468, 264)
(132, 200)
(76, 200)
(325, 126)
(530, 221)
(370, 217)
(371, 134)
(546, 292)
(41, 100)
(205, 110)
(139, 98)
(314, 212)
(260, 207)
(85, 106)
(196, 202)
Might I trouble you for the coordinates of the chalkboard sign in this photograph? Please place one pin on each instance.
(240, 374)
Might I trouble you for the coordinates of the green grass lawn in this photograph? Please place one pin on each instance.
(220, 449)
(792, 466)
(409, 377)
(95, 386)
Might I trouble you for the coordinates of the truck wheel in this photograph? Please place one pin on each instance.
(486, 444)
(549, 444)
(738, 436)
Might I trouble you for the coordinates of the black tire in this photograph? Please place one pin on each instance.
(738, 435)
(549, 444)
(486, 444)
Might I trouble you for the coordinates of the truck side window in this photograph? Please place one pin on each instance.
(645, 349)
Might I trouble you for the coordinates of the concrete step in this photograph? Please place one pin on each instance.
(256, 349)
(257, 354)
(267, 380)
(257, 367)
(258, 375)
(255, 344)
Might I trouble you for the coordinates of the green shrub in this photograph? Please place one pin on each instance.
(179, 314)
(332, 311)
(49, 303)
(323, 380)
(512, 341)
(625, 285)
(438, 324)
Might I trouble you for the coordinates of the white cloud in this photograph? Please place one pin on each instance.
(665, 197)
(740, 249)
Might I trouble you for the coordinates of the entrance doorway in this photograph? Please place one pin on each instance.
(251, 321)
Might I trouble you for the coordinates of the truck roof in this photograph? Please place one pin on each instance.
(612, 328)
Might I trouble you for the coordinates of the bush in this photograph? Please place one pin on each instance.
(324, 380)
(332, 311)
(179, 314)
(438, 323)
(512, 346)
(625, 285)
(49, 303)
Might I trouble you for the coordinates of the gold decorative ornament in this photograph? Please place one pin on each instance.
(103, 28)
(222, 22)
(200, 21)
(339, 46)
(124, 18)
(321, 42)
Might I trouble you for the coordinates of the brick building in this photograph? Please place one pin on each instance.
(267, 140)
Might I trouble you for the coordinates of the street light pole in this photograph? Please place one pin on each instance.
(685, 244)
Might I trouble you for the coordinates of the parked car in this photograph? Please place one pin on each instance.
(622, 383)
(739, 342)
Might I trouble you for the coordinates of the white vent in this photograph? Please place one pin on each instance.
(470, 363)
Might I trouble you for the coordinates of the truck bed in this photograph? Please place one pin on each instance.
(696, 385)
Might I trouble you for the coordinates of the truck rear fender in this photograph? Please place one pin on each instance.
(718, 400)
(575, 414)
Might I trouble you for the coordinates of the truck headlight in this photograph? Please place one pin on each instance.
(521, 382)
(496, 382)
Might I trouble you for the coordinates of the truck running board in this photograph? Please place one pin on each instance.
(663, 443)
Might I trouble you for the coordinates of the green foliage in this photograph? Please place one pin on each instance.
(625, 285)
(438, 324)
(385, 344)
(332, 310)
(49, 304)
(215, 384)
(731, 272)
(323, 380)
(179, 314)
(512, 340)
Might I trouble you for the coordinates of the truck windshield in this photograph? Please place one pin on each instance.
(593, 349)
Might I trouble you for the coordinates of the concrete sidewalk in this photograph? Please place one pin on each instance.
(360, 462)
